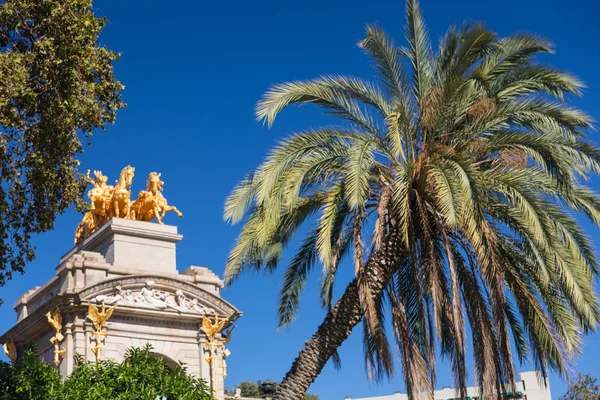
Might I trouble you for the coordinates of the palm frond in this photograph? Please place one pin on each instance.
(420, 49)
(294, 279)
(320, 91)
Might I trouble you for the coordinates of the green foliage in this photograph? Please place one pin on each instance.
(583, 388)
(249, 389)
(139, 376)
(311, 397)
(57, 87)
(29, 378)
(467, 164)
(252, 390)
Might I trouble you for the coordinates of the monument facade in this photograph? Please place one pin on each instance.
(119, 287)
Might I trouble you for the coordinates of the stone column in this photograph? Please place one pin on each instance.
(79, 346)
(68, 363)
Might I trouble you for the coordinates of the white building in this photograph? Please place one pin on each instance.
(529, 387)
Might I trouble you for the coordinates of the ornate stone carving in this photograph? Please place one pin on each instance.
(149, 297)
(221, 306)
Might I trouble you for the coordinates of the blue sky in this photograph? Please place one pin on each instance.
(193, 72)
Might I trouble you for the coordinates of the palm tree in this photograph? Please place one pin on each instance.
(452, 185)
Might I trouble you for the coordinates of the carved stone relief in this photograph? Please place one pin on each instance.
(149, 297)
(130, 290)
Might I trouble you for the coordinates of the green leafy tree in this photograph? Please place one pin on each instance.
(583, 388)
(450, 184)
(139, 376)
(29, 378)
(249, 389)
(57, 87)
(252, 390)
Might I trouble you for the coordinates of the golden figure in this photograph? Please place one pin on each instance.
(225, 352)
(99, 196)
(211, 329)
(108, 202)
(58, 352)
(99, 318)
(121, 198)
(151, 203)
(55, 320)
(10, 350)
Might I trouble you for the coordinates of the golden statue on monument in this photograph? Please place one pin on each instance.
(10, 350)
(55, 320)
(225, 352)
(212, 329)
(121, 197)
(107, 202)
(99, 318)
(151, 203)
(100, 196)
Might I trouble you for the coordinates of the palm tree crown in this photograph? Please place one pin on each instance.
(469, 158)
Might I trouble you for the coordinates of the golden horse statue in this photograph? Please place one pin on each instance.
(108, 202)
(120, 202)
(100, 196)
(151, 203)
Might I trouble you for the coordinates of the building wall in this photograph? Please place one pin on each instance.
(529, 385)
(535, 387)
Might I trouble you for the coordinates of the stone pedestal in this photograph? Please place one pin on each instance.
(132, 265)
(133, 244)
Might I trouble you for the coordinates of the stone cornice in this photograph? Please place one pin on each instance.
(37, 292)
(36, 318)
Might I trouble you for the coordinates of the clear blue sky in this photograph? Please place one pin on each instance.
(193, 71)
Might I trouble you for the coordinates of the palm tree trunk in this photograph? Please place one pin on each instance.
(338, 323)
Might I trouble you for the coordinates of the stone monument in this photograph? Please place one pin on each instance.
(119, 287)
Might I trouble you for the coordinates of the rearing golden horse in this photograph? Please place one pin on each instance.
(108, 202)
(100, 196)
(120, 202)
(151, 203)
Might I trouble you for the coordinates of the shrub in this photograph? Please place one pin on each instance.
(140, 376)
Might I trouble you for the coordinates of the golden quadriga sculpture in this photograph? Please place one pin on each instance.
(108, 201)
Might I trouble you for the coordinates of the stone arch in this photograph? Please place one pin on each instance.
(169, 362)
